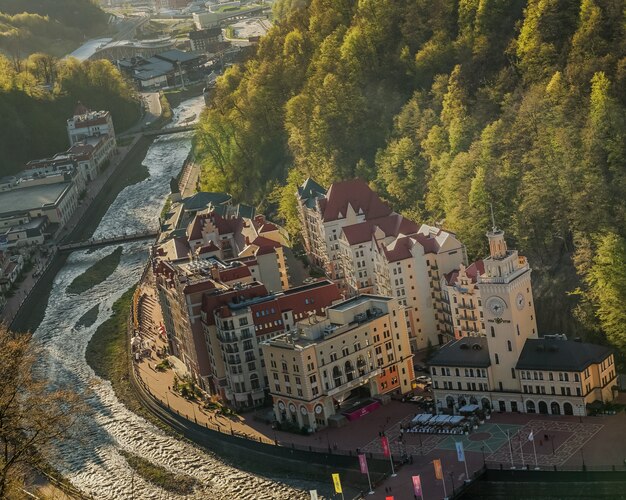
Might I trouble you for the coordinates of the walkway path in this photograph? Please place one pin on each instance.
(570, 440)
(44, 255)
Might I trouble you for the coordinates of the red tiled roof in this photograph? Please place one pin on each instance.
(301, 300)
(265, 245)
(400, 249)
(234, 273)
(357, 194)
(211, 302)
(476, 269)
(268, 226)
(392, 225)
(208, 248)
(473, 271)
(429, 243)
(226, 226)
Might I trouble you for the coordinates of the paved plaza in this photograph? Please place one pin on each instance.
(561, 441)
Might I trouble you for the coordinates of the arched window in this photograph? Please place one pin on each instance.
(543, 408)
(530, 407)
(555, 408)
(567, 409)
(254, 381)
(450, 402)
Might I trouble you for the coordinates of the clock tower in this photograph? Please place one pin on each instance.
(508, 308)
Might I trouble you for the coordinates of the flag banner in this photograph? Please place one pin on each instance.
(363, 463)
(530, 436)
(460, 453)
(417, 486)
(337, 483)
(388, 498)
(313, 494)
(438, 469)
(385, 444)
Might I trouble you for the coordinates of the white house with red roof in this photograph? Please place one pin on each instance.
(86, 123)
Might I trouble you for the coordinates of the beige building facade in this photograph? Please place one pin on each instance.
(367, 248)
(339, 364)
(498, 360)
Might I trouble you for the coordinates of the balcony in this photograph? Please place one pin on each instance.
(354, 383)
(468, 317)
(227, 338)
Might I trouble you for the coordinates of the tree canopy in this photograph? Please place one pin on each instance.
(52, 26)
(444, 106)
(39, 94)
(34, 418)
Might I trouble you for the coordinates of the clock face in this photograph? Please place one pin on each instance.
(318, 409)
(496, 306)
(292, 408)
(303, 410)
(281, 405)
(520, 302)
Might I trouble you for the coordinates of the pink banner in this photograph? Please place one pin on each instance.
(385, 444)
(363, 463)
(361, 412)
(417, 486)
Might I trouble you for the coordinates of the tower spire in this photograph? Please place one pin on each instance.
(493, 219)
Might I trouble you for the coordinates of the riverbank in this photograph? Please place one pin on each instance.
(108, 354)
(128, 171)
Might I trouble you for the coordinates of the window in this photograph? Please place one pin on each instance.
(493, 331)
(509, 346)
(513, 372)
(497, 359)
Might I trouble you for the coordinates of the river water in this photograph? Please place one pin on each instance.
(94, 464)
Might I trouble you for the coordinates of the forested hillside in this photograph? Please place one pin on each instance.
(446, 106)
(52, 26)
(39, 94)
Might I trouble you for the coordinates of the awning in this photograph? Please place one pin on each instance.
(468, 408)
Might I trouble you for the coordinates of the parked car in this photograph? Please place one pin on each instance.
(420, 368)
(424, 379)
(416, 399)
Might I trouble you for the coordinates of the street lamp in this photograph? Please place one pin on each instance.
(482, 448)
(452, 479)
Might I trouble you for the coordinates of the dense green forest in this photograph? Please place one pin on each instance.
(52, 26)
(445, 106)
(38, 95)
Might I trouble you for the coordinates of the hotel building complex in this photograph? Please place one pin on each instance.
(498, 361)
(337, 366)
(367, 248)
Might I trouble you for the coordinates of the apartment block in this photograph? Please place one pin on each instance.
(235, 329)
(333, 368)
(367, 248)
(498, 361)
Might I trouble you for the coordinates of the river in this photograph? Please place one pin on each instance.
(94, 463)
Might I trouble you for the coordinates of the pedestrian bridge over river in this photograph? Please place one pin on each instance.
(103, 242)
(171, 130)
